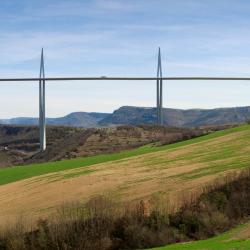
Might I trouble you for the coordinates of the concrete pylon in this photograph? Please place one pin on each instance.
(42, 119)
(159, 90)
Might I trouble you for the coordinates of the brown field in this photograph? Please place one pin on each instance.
(171, 173)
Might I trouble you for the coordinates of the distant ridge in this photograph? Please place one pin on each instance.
(178, 117)
(145, 115)
(76, 119)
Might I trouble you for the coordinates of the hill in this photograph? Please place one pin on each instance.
(171, 170)
(178, 117)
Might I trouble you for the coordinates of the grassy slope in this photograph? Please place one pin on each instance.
(229, 241)
(13, 174)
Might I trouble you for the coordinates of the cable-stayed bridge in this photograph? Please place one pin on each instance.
(159, 89)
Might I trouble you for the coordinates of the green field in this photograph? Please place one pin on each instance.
(233, 240)
(13, 174)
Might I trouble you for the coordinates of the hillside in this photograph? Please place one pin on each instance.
(22, 142)
(170, 171)
(138, 115)
(19, 143)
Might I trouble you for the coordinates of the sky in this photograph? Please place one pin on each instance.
(121, 38)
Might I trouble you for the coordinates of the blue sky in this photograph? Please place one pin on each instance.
(120, 38)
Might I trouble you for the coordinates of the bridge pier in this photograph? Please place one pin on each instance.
(159, 90)
(42, 119)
